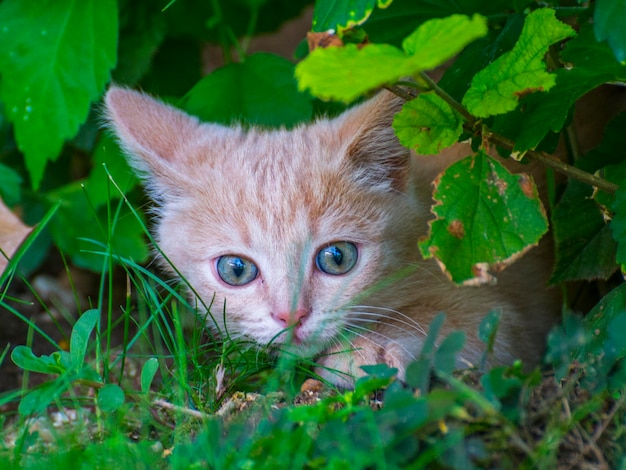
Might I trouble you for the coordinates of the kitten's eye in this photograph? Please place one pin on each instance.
(338, 258)
(236, 271)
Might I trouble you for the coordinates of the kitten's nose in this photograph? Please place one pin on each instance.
(290, 318)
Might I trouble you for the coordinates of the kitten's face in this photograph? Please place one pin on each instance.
(281, 233)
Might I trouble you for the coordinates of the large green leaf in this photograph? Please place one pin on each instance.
(590, 64)
(610, 25)
(344, 73)
(427, 124)
(583, 244)
(55, 59)
(339, 15)
(142, 31)
(498, 87)
(79, 229)
(108, 164)
(486, 218)
(260, 90)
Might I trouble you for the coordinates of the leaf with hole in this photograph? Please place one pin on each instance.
(486, 218)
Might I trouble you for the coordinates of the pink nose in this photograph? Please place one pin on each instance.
(290, 318)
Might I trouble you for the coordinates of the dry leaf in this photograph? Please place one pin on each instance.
(12, 234)
(327, 39)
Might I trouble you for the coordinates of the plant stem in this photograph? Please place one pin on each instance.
(552, 162)
(471, 127)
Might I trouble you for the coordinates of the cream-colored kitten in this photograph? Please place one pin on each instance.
(307, 238)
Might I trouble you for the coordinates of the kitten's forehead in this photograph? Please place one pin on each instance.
(287, 186)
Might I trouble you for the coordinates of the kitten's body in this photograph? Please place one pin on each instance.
(278, 197)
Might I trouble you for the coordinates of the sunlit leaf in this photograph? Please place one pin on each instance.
(589, 64)
(427, 124)
(486, 218)
(344, 73)
(55, 58)
(498, 87)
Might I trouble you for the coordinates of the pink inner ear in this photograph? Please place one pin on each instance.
(146, 127)
(374, 149)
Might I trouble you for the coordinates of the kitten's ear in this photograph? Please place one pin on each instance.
(374, 150)
(153, 134)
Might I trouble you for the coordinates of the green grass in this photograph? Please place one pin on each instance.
(145, 386)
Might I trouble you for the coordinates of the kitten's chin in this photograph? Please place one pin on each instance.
(300, 349)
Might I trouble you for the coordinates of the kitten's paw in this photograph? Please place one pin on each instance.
(341, 365)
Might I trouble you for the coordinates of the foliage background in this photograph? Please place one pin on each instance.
(56, 58)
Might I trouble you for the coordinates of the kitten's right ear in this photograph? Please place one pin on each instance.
(152, 133)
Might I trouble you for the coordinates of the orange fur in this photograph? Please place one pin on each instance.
(277, 197)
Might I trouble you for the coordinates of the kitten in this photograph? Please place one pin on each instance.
(307, 238)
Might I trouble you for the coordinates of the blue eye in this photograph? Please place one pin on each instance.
(338, 258)
(236, 271)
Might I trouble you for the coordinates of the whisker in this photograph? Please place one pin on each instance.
(368, 337)
(404, 319)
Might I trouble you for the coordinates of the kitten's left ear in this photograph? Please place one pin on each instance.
(374, 150)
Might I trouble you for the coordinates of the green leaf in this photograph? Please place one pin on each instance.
(78, 229)
(427, 124)
(142, 31)
(392, 24)
(80, 337)
(498, 87)
(55, 58)
(10, 185)
(260, 91)
(419, 371)
(339, 15)
(110, 398)
(479, 54)
(486, 218)
(608, 23)
(618, 227)
(24, 358)
(148, 371)
(487, 333)
(589, 65)
(108, 163)
(584, 248)
(447, 352)
(344, 73)
(37, 400)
